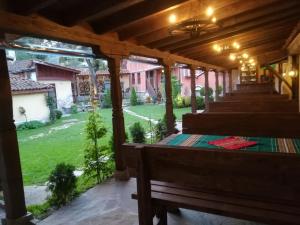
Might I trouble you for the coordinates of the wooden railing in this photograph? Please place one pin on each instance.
(276, 74)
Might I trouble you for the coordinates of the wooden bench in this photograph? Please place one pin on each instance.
(269, 88)
(243, 124)
(262, 187)
(249, 106)
(253, 97)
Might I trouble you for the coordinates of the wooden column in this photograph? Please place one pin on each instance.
(169, 102)
(230, 81)
(206, 88)
(117, 117)
(224, 83)
(193, 89)
(10, 166)
(216, 85)
(280, 70)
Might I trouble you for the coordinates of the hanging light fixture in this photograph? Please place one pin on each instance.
(194, 26)
(232, 47)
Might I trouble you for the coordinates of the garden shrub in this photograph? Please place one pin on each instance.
(112, 146)
(210, 91)
(96, 157)
(137, 133)
(51, 103)
(179, 101)
(219, 90)
(106, 102)
(200, 102)
(30, 125)
(133, 97)
(74, 109)
(160, 129)
(62, 184)
(187, 101)
(176, 87)
(58, 114)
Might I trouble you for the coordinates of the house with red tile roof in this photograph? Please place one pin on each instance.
(61, 78)
(29, 100)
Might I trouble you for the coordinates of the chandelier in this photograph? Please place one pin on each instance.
(194, 26)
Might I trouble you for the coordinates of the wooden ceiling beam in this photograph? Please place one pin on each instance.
(241, 38)
(26, 7)
(90, 10)
(253, 51)
(245, 39)
(187, 10)
(109, 46)
(133, 13)
(241, 23)
(161, 30)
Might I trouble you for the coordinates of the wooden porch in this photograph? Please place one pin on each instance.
(265, 31)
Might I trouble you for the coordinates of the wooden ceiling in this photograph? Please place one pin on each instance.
(261, 27)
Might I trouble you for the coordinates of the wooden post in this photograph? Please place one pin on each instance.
(169, 102)
(230, 81)
(224, 83)
(193, 89)
(217, 85)
(117, 117)
(206, 88)
(280, 70)
(143, 190)
(10, 166)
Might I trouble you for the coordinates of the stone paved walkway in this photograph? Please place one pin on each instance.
(110, 204)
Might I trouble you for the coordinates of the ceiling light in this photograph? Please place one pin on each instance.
(172, 18)
(214, 19)
(292, 73)
(209, 11)
(232, 57)
(245, 56)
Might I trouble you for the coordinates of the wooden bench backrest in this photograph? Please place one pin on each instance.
(253, 97)
(243, 124)
(259, 106)
(264, 176)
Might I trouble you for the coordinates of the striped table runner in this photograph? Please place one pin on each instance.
(264, 144)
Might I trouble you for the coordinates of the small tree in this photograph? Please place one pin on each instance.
(62, 184)
(133, 97)
(95, 156)
(160, 128)
(137, 133)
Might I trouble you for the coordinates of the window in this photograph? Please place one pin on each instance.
(133, 78)
(139, 78)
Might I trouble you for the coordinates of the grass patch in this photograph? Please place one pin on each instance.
(157, 112)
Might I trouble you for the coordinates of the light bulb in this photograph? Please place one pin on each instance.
(245, 56)
(209, 11)
(214, 19)
(172, 18)
(232, 57)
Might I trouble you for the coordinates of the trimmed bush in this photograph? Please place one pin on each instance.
(30, 125)
(137, 133)
(58, 114)
(219, 90)
(133, 97)
(62, 184)
(106, 101)
(187, 101)
(179, 101)
(74, 109)
(210, 91)
(200, 102)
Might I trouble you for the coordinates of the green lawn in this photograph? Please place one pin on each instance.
(42, 148)
(157, 111)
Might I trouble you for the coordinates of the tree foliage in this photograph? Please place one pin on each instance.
(95, 156)
(137, 133)
(133, 97)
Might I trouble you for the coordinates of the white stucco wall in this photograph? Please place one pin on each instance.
(35, 106)
(63, 93)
